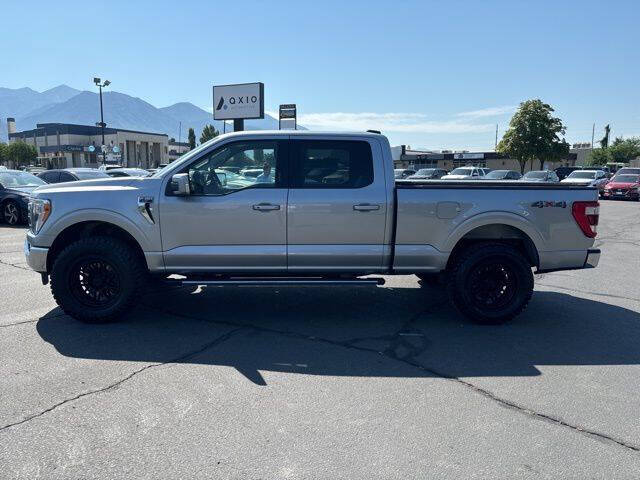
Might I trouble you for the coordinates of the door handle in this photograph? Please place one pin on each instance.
(366, 207)
(265, 207)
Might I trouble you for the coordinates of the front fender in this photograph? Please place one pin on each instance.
(144, 237)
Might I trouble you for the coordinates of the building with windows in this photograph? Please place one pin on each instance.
(176, 149)
(405, 157)
(65, 145)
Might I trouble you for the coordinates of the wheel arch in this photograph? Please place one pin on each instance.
(504, 229)
(91, 228)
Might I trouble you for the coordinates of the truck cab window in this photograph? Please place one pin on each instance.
(332, 164)
(235, 167)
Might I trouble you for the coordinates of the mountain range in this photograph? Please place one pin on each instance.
(63, 104)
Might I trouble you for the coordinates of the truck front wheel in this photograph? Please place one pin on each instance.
(97, 279)
(490, 283)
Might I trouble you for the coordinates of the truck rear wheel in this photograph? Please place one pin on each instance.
(97, 279)
(490, 283)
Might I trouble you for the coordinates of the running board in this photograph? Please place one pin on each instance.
(285, 282)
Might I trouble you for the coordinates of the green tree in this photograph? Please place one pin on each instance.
(534, 134)
(4, 157)
(599, 156)
(620, 151)
(624, 150)
(192, 139)
(208, 132)
(21, 154)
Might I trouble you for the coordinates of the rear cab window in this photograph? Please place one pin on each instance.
(331, 164)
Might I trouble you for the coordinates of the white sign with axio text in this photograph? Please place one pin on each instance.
(244, 100)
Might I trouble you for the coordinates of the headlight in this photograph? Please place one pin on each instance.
(39, 211)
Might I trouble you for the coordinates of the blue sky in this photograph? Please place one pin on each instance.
(428, 74)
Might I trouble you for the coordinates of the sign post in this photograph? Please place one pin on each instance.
(287, 112)
(238, 102)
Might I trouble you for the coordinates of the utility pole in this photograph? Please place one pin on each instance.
(593, 132)
(495, 149)
(179, 137)
(106, 83)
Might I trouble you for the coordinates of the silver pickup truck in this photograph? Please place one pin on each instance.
(303, 208)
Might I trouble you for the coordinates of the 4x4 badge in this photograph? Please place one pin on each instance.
(543, 204)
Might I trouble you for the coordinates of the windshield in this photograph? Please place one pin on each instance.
(497, 174)
(187, 157)
(19, 179)
(426, 171)
(579, 174)
(626, 178)
(89, 174)
(535, 175)
(462, 171)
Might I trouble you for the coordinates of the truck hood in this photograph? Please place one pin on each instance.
(97, 185)
(20, 190)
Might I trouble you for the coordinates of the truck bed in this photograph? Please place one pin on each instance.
(432, 216)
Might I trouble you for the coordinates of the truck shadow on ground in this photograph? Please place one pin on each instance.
(396, 332)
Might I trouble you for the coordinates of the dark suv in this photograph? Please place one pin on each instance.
(563, 172)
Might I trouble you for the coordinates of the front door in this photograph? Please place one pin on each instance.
(235, 217)
(337, 207)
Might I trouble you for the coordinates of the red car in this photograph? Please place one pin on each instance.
(623, 185)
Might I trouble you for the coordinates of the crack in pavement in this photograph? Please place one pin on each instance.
(32, 320)
(8, 264)
(350, 344)
(111, 386)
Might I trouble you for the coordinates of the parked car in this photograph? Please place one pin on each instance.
(623, 186)
(34, 170)
(127, 172)
(428, 173)
(628, 170)
(72, 175)
(400, 173)
(15, 188)
(104, 167)
(563, 172)
(546, 176)
(465, 173)
(590, 178)
(503, 175)
(298, 230)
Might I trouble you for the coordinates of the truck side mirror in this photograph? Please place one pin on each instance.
(180, 185)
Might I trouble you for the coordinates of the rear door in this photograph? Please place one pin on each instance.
(337, 206)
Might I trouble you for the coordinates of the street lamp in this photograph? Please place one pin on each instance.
(106, 83)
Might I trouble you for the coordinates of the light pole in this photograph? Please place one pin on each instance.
(106, 83)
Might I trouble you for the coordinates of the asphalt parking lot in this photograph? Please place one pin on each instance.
(261, 383)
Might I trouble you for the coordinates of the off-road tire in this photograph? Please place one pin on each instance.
(513, 270)
(129, 269)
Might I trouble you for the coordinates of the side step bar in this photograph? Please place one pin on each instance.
(284, 281)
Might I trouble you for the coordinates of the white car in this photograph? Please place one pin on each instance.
(592, 178)
(465, 173)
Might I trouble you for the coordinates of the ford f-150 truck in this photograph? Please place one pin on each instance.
(303, 208)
